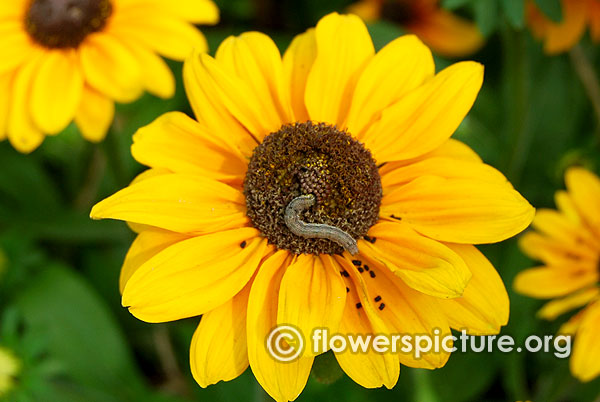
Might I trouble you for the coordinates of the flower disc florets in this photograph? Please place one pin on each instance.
(65, 23)
(318, 159)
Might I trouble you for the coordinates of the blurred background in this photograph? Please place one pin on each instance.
(60, 311)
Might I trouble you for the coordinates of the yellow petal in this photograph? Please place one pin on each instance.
(111, 68)
(157, 77)
(585, 361)
(146, 245)
(213, 114)
(426, 117)
(284, 381)
(555, 252)
(565, 34)
(558, 227)
(343, 49)
(6, 82)
(570, 327)
(453, 149)
(176, 142)
(12, 10)
(450, 149)
(22, 132)
(56, 91)
(368, 10)
(448, 34)
(400, 67)
(95, 115)
(371, 369)
(297, 63)
(255, 59)
(484, 306)
(170, 37)
(15, 43)
(406, 311)
(555, 308)
(219, 351)
(177, 202)
(312, 295)
(549, 282)
(565, 204)
(447, 168)
(231, 95)
(459, 210)
(584, 189)
(194, 276)
(196, 11)
(423, 264)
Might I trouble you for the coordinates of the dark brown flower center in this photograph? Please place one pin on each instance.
(403, 12)
(312, 159)
(65, 23)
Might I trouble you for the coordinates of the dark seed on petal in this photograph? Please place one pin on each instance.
(357, 263)
(381, 306)
(372, 273)
(378, 298)
(358, 305)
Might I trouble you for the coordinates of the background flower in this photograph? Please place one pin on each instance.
(559, 36)
(71, 60)
(566, 241)
(446, 33)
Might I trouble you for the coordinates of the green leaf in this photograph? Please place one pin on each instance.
(326, 369)
(24, 183)
(552, 9)
(515, 12)
(62, 308)
(486, 15)
(454, 4)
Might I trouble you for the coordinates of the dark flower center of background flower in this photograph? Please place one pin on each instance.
(403, 12)
(65, 23)
(318, 159)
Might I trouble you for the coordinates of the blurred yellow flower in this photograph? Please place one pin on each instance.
(9, 369)
(567, 242)
(444, 32)
(561, 36)
(69, 60)
(224, 218)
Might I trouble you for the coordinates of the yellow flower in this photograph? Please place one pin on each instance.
(70, 60)
(365, 136)
(446, 33)
(9, 368)
(561, 36)
(567, 242)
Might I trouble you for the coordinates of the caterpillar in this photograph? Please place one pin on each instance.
(315, 230)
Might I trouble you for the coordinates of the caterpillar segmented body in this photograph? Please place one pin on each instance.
(315, 230)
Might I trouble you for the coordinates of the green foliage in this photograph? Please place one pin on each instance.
(60, 308)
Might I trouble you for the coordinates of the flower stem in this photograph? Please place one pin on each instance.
(585, 70)
(517, 99)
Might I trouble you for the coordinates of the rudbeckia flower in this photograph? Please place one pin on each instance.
(444, 32)
(317, 190)
(71, 60)
(561, 36)
(567, 242)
